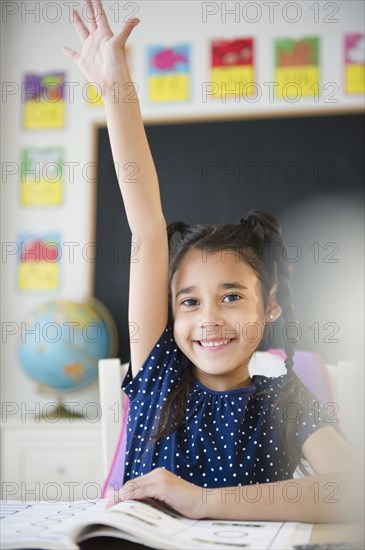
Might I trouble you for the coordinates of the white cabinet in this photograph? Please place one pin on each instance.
(43, 460)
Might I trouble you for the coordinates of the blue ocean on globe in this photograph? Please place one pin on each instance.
(62, 342)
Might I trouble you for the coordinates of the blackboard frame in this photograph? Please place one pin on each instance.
(121, 255)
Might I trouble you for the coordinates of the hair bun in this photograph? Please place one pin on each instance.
(249, 222)
(175, 233)
(177, 227)
(263, 223)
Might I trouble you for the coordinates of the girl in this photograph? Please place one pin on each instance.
(203, 436)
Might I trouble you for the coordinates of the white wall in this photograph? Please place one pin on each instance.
(32, 43)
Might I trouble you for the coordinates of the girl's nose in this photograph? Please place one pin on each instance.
(211, 321)
(210, 330)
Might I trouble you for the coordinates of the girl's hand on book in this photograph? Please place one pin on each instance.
(102, 58)
(165, 487)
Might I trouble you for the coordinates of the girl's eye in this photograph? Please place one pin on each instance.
(189, 302)
(232, 298)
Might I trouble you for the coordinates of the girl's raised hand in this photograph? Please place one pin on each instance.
(102, 58)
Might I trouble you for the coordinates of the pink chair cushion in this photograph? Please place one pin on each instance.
(312, 371)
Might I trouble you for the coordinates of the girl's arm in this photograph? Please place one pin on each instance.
(103, 61)
(333, 494)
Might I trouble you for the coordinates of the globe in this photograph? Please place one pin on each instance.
(61, 342)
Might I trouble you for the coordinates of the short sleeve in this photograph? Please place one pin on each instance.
(159, 372)
(308, 414)
(314, 417)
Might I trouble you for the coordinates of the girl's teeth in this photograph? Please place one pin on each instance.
(214, 344)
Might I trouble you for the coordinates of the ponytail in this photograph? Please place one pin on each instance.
(269, 230)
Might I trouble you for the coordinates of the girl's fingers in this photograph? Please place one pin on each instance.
(80, 27)
(125, 493)
(90, 14)
(128, 27)
(130, 489)
(113, 497)
(71, 53)
(101, 16)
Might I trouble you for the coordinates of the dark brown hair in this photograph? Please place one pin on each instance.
(258, 241)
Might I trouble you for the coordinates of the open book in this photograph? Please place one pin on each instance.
(65, 525)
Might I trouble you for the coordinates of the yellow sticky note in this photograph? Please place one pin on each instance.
(355, 79)
(38, 276)
(233, 81)
(170, 87)
(297, 82)
(40, 192)
(41, 176)
(44, 114)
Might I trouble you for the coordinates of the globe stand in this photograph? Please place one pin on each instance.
(57, 410)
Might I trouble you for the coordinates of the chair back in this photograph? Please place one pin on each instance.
(114, 407)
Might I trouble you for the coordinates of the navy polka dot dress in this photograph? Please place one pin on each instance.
(228, 438)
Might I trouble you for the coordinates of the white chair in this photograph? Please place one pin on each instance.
(112, 373)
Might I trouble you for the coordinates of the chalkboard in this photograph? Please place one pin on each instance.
(308, 171)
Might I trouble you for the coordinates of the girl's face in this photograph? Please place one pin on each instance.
(219, 316)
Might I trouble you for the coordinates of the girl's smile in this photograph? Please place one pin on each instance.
(214, 344)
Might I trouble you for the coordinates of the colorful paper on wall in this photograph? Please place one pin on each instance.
(232, 68)
(297, 67)
(38, 262)
(43, 101)
(41, 176)
(355, 63)
(169, 73)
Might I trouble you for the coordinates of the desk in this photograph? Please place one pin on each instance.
(332, 532)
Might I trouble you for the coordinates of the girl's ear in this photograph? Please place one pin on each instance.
(273, 310)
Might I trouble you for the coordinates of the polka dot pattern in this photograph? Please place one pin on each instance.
(228, 438)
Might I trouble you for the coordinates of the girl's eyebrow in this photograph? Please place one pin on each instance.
(224, 286)
(186, 290)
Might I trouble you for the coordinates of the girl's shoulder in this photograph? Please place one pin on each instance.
(164, 349)
(273, 389)
(159, 371)
(267, 383)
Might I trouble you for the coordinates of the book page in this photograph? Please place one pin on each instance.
(55, 525)
(159, 527)
(43, 524)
